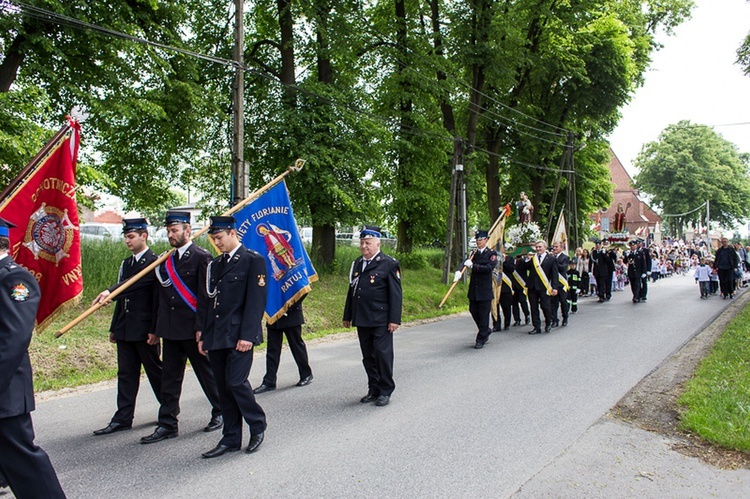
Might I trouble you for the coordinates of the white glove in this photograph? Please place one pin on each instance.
(643, 275)
(648, 273)
(457, 276)
(468, 263)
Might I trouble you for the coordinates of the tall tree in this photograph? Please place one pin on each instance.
(689, 164)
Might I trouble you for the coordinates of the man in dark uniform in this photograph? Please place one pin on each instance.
(26, 466)
(181, 292)
(481, 262)
(601, 264)
(561, 300)
(636, 268)
(291, 325)
(726, 260)
(644, 277)
(505, 303)
(520, 301)
(236, 288)
(540, 273)
(132, 327)
(373, 306)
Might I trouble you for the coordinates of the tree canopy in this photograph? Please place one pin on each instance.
(381, 98)
(689, 164)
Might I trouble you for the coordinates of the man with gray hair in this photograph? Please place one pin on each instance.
(373, 306)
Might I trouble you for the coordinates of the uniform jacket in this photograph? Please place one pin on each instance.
(19, 300)
(374, 297)
(133, 318)
(293, 317)
(636, 261)
(236, 300)
(562, 260)
(528, 271)
(175, 320)
(480, 285)
(601, 263)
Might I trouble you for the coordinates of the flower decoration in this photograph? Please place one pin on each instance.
(523, 233)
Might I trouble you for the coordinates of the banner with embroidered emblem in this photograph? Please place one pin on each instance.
(267, 225)
(41, 202)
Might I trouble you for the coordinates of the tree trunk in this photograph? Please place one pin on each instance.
(11, 63)
(288, 79)
(406, 124)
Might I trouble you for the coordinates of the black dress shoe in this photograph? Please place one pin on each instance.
(215, 424)
(636, 300)
(383, 400)
(565, 322)
(305, 381)
(219, 450)
(528, 321)
(555, 324)
(478, 345)
(255, 441)
(517, 323)
(112, 428)
(497, 328)
(507, 326)
(547, 328)
(264, 389)
(535, 331)
(159, 434)
(370, 397)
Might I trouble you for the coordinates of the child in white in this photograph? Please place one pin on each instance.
(703, 278)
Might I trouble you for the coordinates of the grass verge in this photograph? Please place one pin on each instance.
(84, 354)
(716, 402)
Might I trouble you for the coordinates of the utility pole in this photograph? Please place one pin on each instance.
(454, 208)
(239, 170)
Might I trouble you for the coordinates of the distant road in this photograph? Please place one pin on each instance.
(461, 423)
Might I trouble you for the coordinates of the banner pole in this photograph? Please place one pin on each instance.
(291, 169)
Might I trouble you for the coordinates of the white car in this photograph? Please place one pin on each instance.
(100, 231)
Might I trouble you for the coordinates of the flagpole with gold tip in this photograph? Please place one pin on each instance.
(298, 164)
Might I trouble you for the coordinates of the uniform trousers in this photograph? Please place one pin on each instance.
(480, 311)
(175, 354)
(273, 352)
(601, 286)
(519, 300)
(505, 304)
(635, 286)
(26, 466)
(131, 355)
(231, 369)
(539, 299)
(644, 287)
(560, 301)
(376, 344)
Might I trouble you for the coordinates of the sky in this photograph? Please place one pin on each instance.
(693, 77)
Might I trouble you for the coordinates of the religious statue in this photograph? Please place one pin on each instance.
(524, 208)
(619, 219)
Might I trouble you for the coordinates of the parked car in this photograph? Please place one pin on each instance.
(386, 240)
(305, 235)
(100, 231)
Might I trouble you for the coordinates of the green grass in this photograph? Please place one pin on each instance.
(716, 402)
(84, 354)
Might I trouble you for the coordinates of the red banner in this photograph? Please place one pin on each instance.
(46, 240)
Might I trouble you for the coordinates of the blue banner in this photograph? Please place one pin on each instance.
(267, 225)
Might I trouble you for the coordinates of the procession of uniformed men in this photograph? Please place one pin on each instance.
(210, 311)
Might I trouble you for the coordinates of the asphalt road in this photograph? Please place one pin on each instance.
(461, 423)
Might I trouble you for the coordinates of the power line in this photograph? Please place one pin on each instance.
(687, 212)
